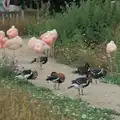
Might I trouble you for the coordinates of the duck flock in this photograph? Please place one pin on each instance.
(41, 46)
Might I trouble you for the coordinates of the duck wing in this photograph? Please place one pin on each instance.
(25, 72)
(34, 60)
(80, 80)
(52, 78)
(95, 70)
(97, 73)
(43, 60)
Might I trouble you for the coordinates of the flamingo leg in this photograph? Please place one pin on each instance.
(47, 53)
(14, 56)
(4, 53)
(111, 64)
(13, 53)
(116, 63)
(4, 50)
(53, 51)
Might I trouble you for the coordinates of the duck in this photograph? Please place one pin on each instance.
(82, 70)
(56, 78)
(81, 82)
(27, 74)
(98, 73)
(42, 60)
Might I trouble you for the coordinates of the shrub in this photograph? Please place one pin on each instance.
(114, 79)
(94, 22)
(6, 68)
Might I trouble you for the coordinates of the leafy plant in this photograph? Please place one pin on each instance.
(114, 79)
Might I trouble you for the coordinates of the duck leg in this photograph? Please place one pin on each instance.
(96, 81)
(58, 86)
(78, 92)
(41, 66)
(82, 91)
(55, 85)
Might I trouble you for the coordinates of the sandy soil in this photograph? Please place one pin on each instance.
(99, 95)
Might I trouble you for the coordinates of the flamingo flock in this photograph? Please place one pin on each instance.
(38, 45)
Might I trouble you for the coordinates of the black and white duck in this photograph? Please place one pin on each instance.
(81, 82)
(42, 60)
(98, 73)
(27, 74)
(82, 70)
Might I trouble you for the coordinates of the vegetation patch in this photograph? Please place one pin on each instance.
(22, 92)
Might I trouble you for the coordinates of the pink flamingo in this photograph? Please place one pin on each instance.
(3, 40)
(12, 32)
(49, 38)
(37, 45)
(14, 44)
(111, 49)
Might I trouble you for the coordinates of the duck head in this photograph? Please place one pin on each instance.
(89, 75)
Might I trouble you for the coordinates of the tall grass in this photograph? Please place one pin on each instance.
(16, 104)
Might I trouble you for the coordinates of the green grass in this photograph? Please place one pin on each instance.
(77, 55)
(114, 79)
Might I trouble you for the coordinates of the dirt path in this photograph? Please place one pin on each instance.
(99, 95)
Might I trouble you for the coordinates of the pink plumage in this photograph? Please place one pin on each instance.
(3, 39)
(37, 45)
(49, 37)
(3, 42)
(12, 32)
(2, 34)
(31, 43)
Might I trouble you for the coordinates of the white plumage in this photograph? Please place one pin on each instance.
(111, 48)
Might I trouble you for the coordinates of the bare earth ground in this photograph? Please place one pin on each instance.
(99, 95)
